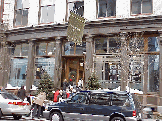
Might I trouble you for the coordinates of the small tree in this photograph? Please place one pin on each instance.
(46, 85)
(93, 83)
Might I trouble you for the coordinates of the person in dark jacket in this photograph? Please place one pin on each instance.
(21, 93)
(65, 85)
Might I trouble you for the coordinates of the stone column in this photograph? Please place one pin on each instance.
(58, 63)
(4, 64)
(31, 66)
(124, 62)
(89, 58)
(145, 84)
(160, 72)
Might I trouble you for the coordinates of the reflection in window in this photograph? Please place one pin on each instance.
(16, 51)
(141, 6)
(79, 98)
(114, 45)
(51, 48)
(153, 44)
(107, 8)
(101, 45)
(100, 99)
(46, 49)
(119, 99)
(153, 72)
(25, 49)
(41, 49)
(45, 65)
(69, 48)
(77, 7)
(136, 44)
(18, 72)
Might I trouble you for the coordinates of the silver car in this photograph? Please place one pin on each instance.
(11, 105)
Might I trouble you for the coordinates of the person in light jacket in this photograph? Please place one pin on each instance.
(38, 103)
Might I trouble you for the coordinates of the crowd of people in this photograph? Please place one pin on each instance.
(68, 89)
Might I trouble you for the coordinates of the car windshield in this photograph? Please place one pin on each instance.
(9, 96)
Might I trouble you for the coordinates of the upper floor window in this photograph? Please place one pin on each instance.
(106, 8)
(21, 12)
(77, 6)
(141, 6)
(47, 11)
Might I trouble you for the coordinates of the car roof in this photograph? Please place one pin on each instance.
(103, 91)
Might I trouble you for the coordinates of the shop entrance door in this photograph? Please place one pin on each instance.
(73, 68)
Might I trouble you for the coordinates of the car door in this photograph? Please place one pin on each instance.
(76, 107)
(99, 106)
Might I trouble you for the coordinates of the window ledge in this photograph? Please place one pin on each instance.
(141, 14)
(107, 17)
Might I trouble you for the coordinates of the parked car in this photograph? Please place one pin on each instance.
(94, 105)
(11, 105)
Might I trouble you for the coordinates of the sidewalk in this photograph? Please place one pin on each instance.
(24, 118)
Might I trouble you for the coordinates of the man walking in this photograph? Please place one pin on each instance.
(21, 93)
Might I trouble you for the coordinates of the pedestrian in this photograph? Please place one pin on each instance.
(80, 83)
(56, 94)
(21, 93)
(78, 89)
(71, 82)
(38, 103)
(65, 85)
(60, 96)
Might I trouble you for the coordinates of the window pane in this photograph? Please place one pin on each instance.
(147, 6)
(136, 44)
(70, 8)
(45, 65)
(100, 99)
(41, 49)
(79, 8)
(51, 48)
(19, 4)
(17, 50)
(44, 14)
(69, 48)
(119, 100)
(114, 45)
(136, 6)
(18, 72)
(50, 14)
(25, 49)
(18, 17)
(101, 45)
(111, 8)
(153, 73)
(102, 8)
(25, 17)
(153, 44)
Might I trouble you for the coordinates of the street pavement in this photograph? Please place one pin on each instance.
(24, 118)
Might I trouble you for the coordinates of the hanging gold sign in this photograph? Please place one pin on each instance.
(75, 28)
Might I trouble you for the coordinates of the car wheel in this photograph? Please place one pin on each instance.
(17, 117)
(56, 116)
(117, 119)
(0, 113)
